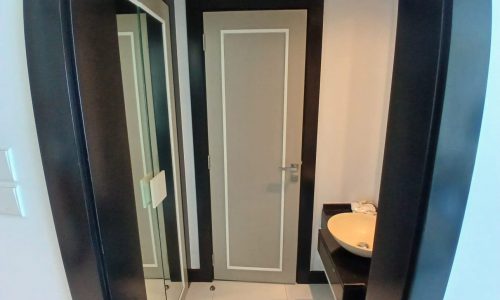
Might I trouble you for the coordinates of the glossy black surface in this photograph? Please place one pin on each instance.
(84, 131)
(347, 272)
(430, 148)
(419, 74)
(59, 125)
(195, 9)
(461, 118)
(74, 70)
(97, 64)
(352, 269)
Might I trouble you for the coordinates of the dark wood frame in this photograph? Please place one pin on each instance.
(437, 100)
(438, 89)
(75, 79)
(433, 129)
(195, 9)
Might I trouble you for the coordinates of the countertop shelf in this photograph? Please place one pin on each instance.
(347, 273)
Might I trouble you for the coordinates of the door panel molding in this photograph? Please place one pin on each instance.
(283, 162)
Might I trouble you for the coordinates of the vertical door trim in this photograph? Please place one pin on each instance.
(283, 154)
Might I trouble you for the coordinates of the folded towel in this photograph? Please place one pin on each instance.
(364, 207)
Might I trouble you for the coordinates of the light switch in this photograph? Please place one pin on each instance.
(158, 188)
(6, 170)
(9, 201)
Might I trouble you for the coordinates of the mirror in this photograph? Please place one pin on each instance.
(150, 108)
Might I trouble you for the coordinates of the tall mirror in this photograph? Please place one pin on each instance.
(150, 107)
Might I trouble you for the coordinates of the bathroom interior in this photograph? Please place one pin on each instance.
(254, 121)
(250, 143)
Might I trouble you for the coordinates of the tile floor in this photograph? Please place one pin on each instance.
(233, 290)
(155, 289)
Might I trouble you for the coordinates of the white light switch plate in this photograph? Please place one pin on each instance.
(9, 201)
(6, 170)
(158, 189)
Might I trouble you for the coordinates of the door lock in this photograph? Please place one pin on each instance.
(292, 168)
(294, 171)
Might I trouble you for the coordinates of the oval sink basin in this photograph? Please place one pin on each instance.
(354, 232)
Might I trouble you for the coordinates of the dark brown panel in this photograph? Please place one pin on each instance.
(101, 98)
(460, 125)
(89, 120)
(62, 145)
(419, 74)
(75, 79)
(435, 114)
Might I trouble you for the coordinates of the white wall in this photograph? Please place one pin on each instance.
(356, 74)
(30, 262)
(476, 266)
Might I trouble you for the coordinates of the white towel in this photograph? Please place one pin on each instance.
(364, 207)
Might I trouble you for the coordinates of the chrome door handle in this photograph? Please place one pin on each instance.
(294, 171)
(292, 168)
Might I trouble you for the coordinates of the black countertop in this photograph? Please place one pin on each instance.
(348, 273)
(351, 269)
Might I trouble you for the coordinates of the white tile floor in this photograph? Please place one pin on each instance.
(155, 289)
(233, 290)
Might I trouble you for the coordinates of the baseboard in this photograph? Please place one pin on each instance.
(312, 277)
(199, 275)
(317, 277)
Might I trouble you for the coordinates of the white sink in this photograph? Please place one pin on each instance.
(354, 232)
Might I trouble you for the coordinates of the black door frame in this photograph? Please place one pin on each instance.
(195, 9)
(74, 71)
(423, 42)
(75, 80)
(437, 99)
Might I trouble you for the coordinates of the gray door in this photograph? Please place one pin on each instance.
(255, 63)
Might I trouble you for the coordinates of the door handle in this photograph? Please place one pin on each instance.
(293, 168)
(294, 171)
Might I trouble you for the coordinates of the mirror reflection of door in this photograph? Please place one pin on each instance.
(146, 65)
(255, 64)
(142, 139)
